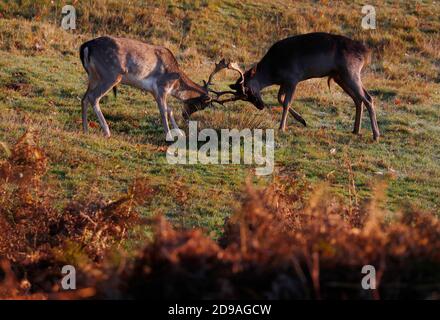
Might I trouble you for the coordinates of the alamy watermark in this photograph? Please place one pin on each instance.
(68, 282)
(369, 280)
(257, 147)
(68, 22)
(369, 20)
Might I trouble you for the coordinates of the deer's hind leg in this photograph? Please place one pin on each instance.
(85, 101)
(84, 107)
(354, 83)
(94, 96)
(93, 82)
(357, 101)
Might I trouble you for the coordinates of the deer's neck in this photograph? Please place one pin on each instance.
(261, 79)
(186, 89)
(264, 76)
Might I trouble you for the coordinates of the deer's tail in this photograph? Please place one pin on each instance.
(364, 52)
(367, 56)
(84, 55)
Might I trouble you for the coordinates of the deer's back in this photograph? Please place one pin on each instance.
(312, 55)
(131, 57)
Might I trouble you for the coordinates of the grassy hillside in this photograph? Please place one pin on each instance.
(42, 82)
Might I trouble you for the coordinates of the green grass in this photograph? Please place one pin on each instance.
(405, 89)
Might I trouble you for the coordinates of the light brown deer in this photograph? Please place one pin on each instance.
(303, 57)
(110, 61)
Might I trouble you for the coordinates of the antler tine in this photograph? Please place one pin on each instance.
(220, 93)
(235, 66)
(221, 102)
(218, 67)
(224, 64)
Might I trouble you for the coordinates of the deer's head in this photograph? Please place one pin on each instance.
(244, 88)
(194, 96)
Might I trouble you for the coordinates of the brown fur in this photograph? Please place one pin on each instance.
(110, 61)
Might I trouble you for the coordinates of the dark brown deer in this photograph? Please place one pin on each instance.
(110, 61)
(303, 57)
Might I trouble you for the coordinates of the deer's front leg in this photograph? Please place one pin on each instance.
(166, 112)
(161, 103)
(174, 123)
(171, 117)
(296, 115)
(286, 105)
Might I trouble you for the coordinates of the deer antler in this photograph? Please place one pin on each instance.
(234, 66)
(223, 64)
(218, 67)
(234, 98)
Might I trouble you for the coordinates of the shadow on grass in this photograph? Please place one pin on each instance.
(383, 94)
